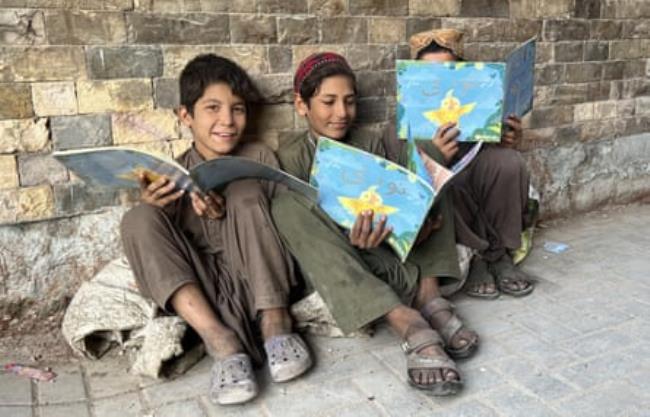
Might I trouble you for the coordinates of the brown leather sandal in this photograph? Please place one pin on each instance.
(450, 328)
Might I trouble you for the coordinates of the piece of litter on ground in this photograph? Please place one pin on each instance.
(555, 247)
(30, 372)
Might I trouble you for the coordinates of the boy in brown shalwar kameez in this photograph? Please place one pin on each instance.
(361, 280)
(491, 195)
(216, 260)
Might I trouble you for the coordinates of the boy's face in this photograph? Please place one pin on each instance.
(332, 109)
(218, 122)
(440, 56)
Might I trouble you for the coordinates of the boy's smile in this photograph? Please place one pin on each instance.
(218, 121)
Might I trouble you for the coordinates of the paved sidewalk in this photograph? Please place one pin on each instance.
(578, 346)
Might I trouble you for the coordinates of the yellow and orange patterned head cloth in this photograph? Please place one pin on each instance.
(451, 39)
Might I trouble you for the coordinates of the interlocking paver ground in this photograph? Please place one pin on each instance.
(578, 346)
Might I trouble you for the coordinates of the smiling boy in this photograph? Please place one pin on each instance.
(216, 260)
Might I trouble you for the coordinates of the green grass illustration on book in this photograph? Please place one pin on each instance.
(350, 181)
(118, 167)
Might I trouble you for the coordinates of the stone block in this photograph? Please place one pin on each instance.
(559, 8)
(277, 116)
(276, 88)
(35, 203)
(587, 9)
(495, 52)
(80, 198)
(598, 91)
(344, 30)
(8, 172)
(124, 62)
(604, 110)
(116, 5)
(605, 29)
(544, 52)
(376, 83)
(370, 57)
(635, 69)
(127, 405)
(596, 51)
(169, 6)
(327, 8)
(251, 57)
(35, 63)
(580, 73)
(114, 95)
(147, 126)
(543, 95)
(379, 7)
(253, 29)
(551, 116)
(15, 101)
(166, 93)
(279, 59)
(583, 112)
(159, 148)
(71, 132)
(38, 169)
(569, 52)
(8, 210)
(637, 28)
(566, 30)
(54, 98)
(15, 411)
(180, 146)
(523, 9)
(635, 88)
(298, 30)
(387, 30)
(64, 410)
(286, 7)
(629, 49)
(642, 105)
(626, 108)
(192, 28)
(491, 30)
(28, 135)
(420, 24)
(485, 8)
(549, 74)
(570, 94)
(68, 27)
(441, 8)
(22, 27)
(371, 110)
(613, 70)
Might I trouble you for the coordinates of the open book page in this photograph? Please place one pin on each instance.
(431, 94)
(218, 172)
(520, 80)
(350, 181)
(121, 167)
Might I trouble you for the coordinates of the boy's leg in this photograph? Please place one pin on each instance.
(169, 270)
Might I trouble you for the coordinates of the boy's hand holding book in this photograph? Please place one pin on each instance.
(446, 141)
(365, 235)
(212, 205)
(512, 133)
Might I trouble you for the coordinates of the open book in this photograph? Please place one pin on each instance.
(477, 96)
(350, 181)
(117, 167)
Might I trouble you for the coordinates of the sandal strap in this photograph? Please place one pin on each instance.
(415, 361)
(434, 306)
(452, 326)
(420, 339)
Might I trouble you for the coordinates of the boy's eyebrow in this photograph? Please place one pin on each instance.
(214, 100)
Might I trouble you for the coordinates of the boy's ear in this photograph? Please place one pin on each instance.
(300, 105)
(185, 116)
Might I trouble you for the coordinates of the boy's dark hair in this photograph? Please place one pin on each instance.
(312, 82)
(207, 69)
(433, 48)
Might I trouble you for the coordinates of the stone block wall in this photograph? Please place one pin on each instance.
(88, 73)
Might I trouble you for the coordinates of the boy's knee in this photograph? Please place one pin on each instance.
(140, 217)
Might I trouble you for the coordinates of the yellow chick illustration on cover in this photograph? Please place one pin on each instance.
(450, 110)
(369, 199)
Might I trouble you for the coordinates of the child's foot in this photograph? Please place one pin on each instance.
(287, 352)
(510, 279)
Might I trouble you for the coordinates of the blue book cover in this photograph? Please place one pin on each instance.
(477, 96)
(350, 181)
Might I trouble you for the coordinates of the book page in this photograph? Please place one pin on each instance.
(350, 181)
(431, 94)
(216, 173)
(116, 167)
(520, 80)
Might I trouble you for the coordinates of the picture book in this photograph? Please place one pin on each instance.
(350, 181)
(118, 167)
(477, 96)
